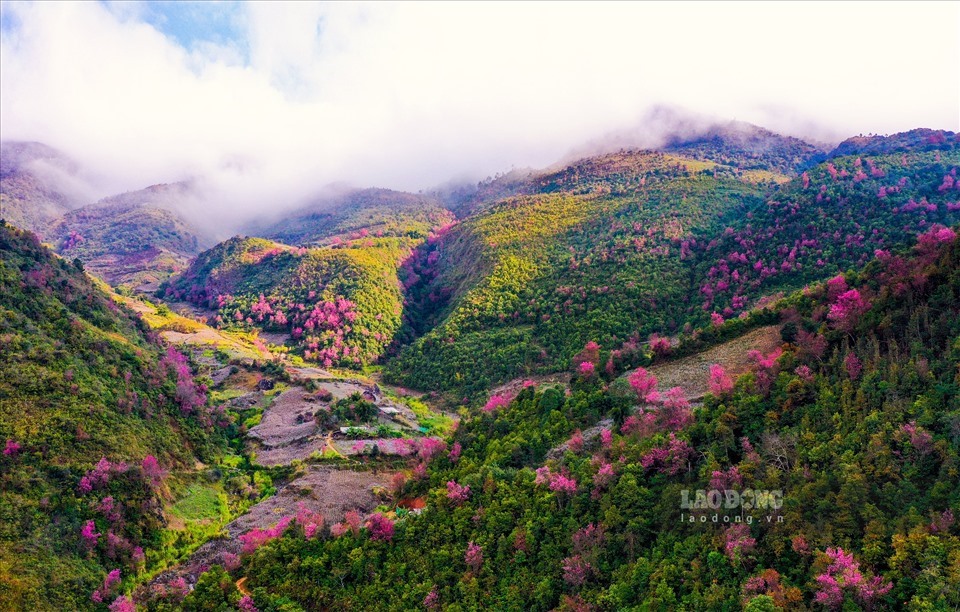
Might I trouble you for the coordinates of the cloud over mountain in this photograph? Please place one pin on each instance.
(266, 104)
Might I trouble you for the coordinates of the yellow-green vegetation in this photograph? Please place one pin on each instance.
(202, 502)
(601, 254)
(341, 304)
(432, 422)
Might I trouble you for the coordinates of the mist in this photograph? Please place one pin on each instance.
(277, 101)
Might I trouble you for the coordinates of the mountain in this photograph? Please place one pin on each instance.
(37, 184)
(822, 477)
(746, 146)
(135, 238)
(93, 413)
(612, 248)
(921, 139)
(359, 213)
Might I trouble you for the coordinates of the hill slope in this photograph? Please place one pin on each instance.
(133, 238)
(360, 213)
(612, 248)
(85, 398)
(37, 184)
(849, 428)
(340, 305)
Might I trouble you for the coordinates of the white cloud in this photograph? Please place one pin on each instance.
(409, 95)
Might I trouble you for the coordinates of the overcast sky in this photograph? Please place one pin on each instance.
(270, 101)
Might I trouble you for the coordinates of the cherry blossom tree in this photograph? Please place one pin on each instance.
(843, 576)
(473, 557)
(720, 382)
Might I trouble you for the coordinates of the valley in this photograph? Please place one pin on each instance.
(520, 377)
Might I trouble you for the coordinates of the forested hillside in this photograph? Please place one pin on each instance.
(614, 248)
(94, 413)
(851, 425)
(338, 305)
(357, 214)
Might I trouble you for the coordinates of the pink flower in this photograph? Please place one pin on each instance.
(606, 438)
(843, 576)
(846, 309)
(257, 537)
(586, 369)
(89, 534)
(457, 493)
(496, 402)
(152, 470)
(604, 475)
(716, 319)
(576, 442)
(942, 522)
(122, 604)
(659, 345)
(920, 439)
(473, 557)
(381, 527)
(563, 484)
(729, 479)
(432, 600)
(246, 604)
(455, 451)
(853, 366)
(430, 447)
(231, 561)
(645, 386)
(720, 382)
(738, 541)
(670, 459)
(109, 585)
(836, 286)
(309, 520)
(576, 570)
(12, 448)
(543, 475)
(588, 540)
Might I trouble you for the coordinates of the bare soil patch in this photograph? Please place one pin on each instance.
(331, 492)
(692, 373)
